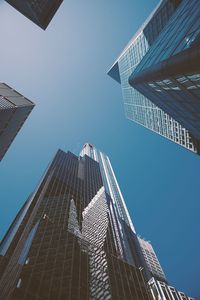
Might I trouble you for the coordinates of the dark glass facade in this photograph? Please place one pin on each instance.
(169, 74)
(14, 110)
(64, 247)
(40, 12)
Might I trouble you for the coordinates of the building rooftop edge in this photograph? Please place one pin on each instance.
(18, 93)
(138, 32)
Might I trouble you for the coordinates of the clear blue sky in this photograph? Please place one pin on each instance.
(63, 70)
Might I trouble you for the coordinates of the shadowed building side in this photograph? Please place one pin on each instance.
(40, 12)
(14, 110)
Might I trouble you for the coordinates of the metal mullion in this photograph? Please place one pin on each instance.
(72, 265)
(113, 259)
(16, 253)
(134, 283)
(140, 284)
(52, 187)
(124, 267)
(65, 180)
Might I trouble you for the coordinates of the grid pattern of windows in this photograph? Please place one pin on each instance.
(175, 90)
(151, 260)
(185, 91)
(118, 210)
(5, 243)
(5, 103)
(179, 34)
(137, 107)
(92, 238)
(65, 248)
(10, 98)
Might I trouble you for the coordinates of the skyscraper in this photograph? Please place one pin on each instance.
(40, 12)
(74, 239)
(133, 249)
(139, 107)
(65, 242)
(169, 74)
(118, 210)
(14, 109)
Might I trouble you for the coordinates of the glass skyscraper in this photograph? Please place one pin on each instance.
(133, 249)
(40, 12)
(66, 241)
(74, 239)
(118, 210)
(139, 107)
(14, 110)
(169, 74)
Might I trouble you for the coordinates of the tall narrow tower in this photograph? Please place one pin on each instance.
(119, 215)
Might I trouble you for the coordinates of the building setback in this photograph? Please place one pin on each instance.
(151, 260)
(131, 248)
(14, 110)
(40, 12)
(119, 214)
(140, 106)
(62, 244)
(73, 239)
